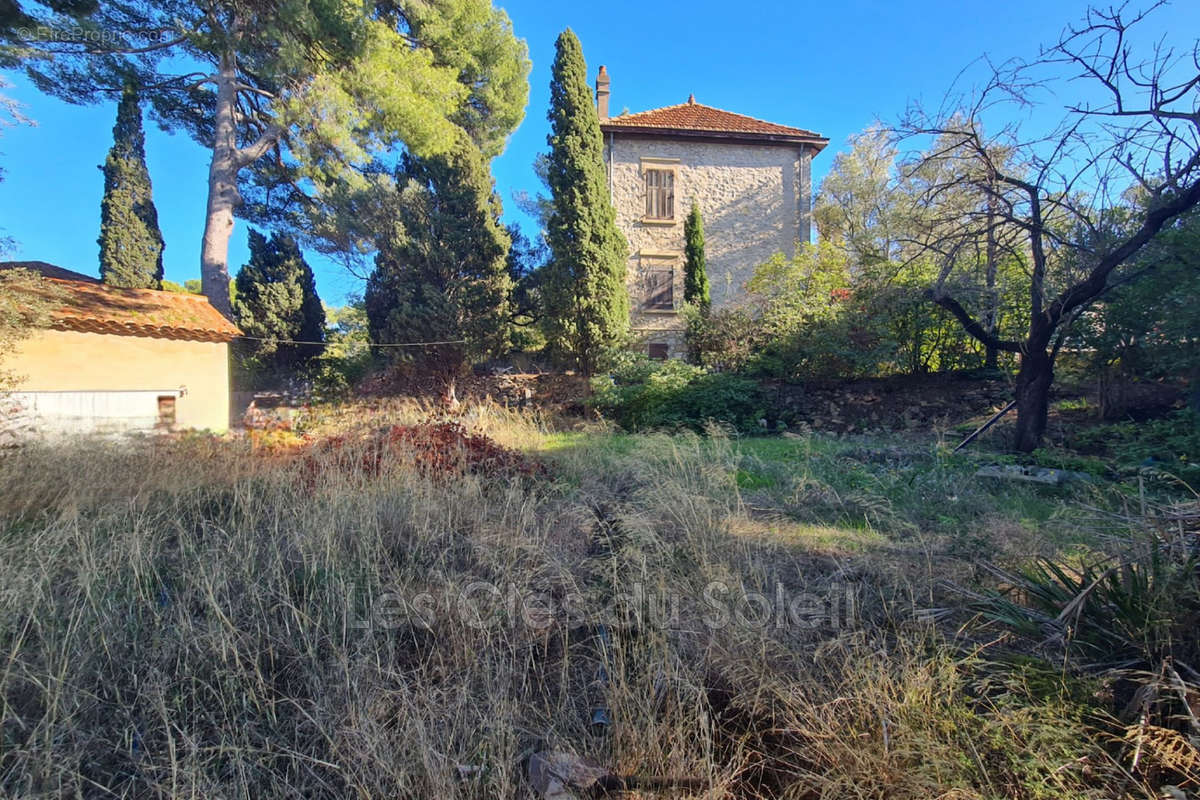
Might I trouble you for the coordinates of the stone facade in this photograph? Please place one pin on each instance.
(754, 199)
(751, 179)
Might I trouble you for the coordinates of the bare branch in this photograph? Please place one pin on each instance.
(970, 324)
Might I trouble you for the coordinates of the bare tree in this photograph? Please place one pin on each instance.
(1135, 131)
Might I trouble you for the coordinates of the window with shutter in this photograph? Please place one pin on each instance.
(660, 194)
(660, 289)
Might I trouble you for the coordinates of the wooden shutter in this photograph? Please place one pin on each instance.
(660, 194)
(660, 289)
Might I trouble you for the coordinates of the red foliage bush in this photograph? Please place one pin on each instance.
(435, 448)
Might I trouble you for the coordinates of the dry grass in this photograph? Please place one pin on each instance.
(193, 619)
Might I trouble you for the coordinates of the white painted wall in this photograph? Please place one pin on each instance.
(75, 412)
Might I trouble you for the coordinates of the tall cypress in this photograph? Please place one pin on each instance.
(276, 302)
(587, 301)
(695, 271)
(131, 244)
(443, 275)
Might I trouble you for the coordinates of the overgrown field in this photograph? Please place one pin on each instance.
(414, 613)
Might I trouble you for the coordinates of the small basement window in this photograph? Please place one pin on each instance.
(166, 411)
(658, 351)
(660, 193)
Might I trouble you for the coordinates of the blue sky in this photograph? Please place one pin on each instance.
(828, 67)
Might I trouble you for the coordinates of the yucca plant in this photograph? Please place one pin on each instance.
(1134, 620)
(1134, 611)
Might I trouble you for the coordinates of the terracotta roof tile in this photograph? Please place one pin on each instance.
(49, 270)
(693, 116)
(93, 307)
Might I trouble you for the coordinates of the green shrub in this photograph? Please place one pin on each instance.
(338, 370)
(725, 339)
(640, 394)
(347, 357)
(1171, 443)
(334, 378)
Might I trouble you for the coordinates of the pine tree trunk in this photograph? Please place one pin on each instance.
(222, 194)
(1033, 398)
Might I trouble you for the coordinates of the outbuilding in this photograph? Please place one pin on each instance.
(117, 360)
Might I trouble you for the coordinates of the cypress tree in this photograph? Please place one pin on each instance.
(587, 302)
(131, 245)
(275, 298)
(443, 275)
(695, 272)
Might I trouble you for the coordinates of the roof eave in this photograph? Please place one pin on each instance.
(818, 143)
(173, 332)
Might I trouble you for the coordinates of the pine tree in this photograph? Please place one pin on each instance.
(587, 302)
(131, 245)
(695, 272)
(297, 98)
(443, 276)
(275, 298)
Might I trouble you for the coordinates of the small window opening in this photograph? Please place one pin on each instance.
(166, 411)
(658, 351)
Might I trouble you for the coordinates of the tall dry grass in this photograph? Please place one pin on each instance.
(197, 620)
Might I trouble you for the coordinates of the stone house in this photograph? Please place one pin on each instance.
(117, 360)
(750, 178)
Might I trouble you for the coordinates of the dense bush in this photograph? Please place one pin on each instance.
(640, 394)
(1147, 329)
(1171, 443)
(1135, 610)
(819, 316)
(347, 356)
(812, 324)
(1129, 618)
(335, 376)
(725, 340)
(804, 324)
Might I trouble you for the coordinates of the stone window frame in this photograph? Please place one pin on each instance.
(653, 261)
(671, 165)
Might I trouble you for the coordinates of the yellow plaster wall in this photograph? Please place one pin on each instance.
(54, 360)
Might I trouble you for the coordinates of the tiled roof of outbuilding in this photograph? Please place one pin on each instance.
(92, 307)
(49, 270)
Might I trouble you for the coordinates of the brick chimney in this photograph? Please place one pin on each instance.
(602, 93)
